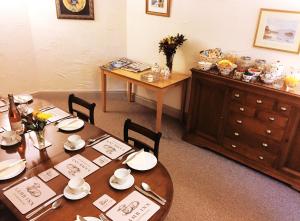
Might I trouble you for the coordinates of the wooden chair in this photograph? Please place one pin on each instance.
(79, 101)
(155, 137)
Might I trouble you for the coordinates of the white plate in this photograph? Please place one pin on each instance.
(13, 171)
(124, 186)
(11, 143)
(75, 124)
(143, 161)
(22, 98)
(90, 218)
(78, 196)
(79, 146)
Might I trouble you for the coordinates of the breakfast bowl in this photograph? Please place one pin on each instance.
(247, 76)
(205, 65)
(226, 67)
(255, 71)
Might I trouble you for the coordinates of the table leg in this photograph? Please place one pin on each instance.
(159, 109)
(130, 94)
(183, 99)
(103, 83)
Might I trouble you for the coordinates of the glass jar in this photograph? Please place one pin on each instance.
(244, 63)
(260, 64)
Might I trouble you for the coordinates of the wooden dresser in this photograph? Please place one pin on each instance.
(251, 123)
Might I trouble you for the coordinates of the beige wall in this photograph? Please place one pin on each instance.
(229, 24)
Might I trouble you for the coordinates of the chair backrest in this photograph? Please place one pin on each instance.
(155, 137)
(79, 101)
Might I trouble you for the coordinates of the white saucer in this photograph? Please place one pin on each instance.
(124, 186)
(22, 98)
(70, 124)
(143, 161)
(13, 171)
(79, 146)
(10, 143)
(78, 196)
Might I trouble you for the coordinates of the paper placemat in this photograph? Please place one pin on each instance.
(112, 147)
(134, 207)
(57, 114)
(102, 161)
(104, 202)
(29, 194)
(76, 166)
(48, 175)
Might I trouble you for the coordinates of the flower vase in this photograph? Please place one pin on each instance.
(169, 60)
(40, 135)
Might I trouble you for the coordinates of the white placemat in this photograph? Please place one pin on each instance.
(33, 139)
(112, 147)
(102, 161)
(76, 166)
(29, 194)
(134, 207)
(57, 114)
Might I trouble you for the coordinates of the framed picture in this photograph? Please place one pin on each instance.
(278, 30)
(75, 9)
(158, 7)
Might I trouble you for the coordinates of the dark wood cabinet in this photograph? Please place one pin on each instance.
(251, 123)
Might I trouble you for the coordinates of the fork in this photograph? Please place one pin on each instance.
(129, 152)
(92, 140)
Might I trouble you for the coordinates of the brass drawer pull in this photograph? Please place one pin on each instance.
(261, 157)
(271, 118)
(268, 131)
(264, 144)
(283, 108)
(239, 121)
(259, 101)
(233, 146)
(242, 109)
(236, 134)
(237, 95)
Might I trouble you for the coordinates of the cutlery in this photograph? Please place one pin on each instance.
(14, 183)
(133, 156)
(103, 217)
(129, 152)
(43, 206)
(67, 124)
(147, 188)
(91, 140)
(149, 195)
(43, 109)
(12, 165)
(98, 141)
(54, 206)
(64, 118)
(80, 218)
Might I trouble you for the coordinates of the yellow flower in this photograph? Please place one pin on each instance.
(42, 116)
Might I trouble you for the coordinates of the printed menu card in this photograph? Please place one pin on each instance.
(76, 166)
(57, 114)
(29, 194)
(112, 147)
(135, 207)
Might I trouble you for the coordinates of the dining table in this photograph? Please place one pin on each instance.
(38, 160)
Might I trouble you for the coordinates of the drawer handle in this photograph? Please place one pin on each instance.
(237, 95)
(236, 134)
(261, 157)
(271, 118)
(283, 108)
(259, 101)
(264, 144)
(242, 109)
(268, 131)
(233, 146)
(239, 121)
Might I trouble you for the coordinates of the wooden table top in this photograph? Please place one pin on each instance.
(174, 79)
(38, 161)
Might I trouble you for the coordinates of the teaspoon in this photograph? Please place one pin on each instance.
(147, 188)
(54, 205)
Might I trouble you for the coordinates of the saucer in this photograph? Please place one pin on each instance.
(79, 146)
(124, 186)
(10, 143)
(12, 171)
(78, 196)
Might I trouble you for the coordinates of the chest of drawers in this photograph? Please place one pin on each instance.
(253, 124)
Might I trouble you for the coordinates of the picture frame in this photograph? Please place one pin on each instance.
(278, 30)
(158, 7)
(75, 9)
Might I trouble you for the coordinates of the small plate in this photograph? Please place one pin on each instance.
(124, 186)
(143, 161)
(78, 196)
(13, 171)
(22, 98)
(11, 143)
(75, 124)
(79, 146)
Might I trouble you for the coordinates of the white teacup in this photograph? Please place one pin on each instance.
(9, 136)
(76, 185)
(74, 140)
(121, 175)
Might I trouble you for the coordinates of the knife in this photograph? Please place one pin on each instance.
(98, 141)
(133, 156)
(44, 205)
(149, 195)
(12, 165)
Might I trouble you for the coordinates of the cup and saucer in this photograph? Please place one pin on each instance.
(122, 179)
(74, 143)
(10, 138)
(77, 189)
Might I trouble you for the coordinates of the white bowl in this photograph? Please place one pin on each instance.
(204, 65)
(226, 70)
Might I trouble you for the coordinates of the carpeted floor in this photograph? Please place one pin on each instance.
(207, 186)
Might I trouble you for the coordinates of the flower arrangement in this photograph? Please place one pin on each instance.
(169, 46)
(37, 122)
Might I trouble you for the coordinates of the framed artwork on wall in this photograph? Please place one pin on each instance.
(75, 9)
(278, 30)
(158, 7)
